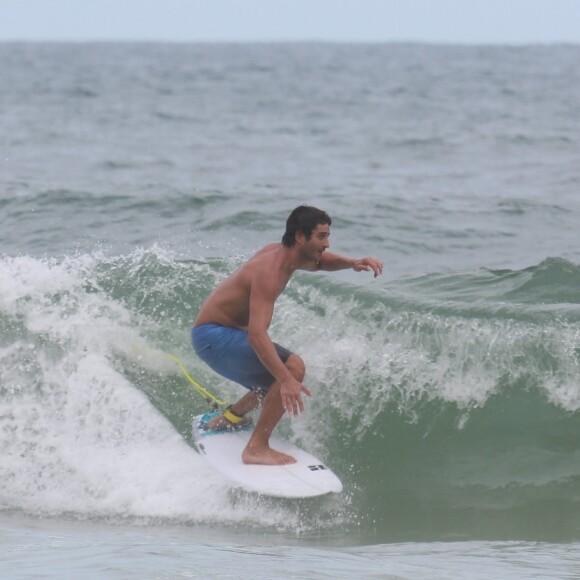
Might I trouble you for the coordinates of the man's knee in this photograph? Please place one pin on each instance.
(296, 366)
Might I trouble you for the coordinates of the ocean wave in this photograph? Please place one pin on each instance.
(553, 283)
(431, 413)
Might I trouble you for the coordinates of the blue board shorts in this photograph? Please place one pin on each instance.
(229, 353)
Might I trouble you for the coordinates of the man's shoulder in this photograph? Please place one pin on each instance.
(267, 249)
(264, 261)
(264, 257)
(265, 267)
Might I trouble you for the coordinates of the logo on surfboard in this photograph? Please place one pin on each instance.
(316, 467)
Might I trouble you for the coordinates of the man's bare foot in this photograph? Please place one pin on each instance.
(266, 456)
(220, 423)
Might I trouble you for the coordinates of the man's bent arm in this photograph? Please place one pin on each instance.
(290, 388)
(332, 262)
(262, 301)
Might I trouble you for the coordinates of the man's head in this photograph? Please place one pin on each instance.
(303, 219)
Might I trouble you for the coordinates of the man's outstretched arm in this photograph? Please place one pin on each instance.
(332, 262)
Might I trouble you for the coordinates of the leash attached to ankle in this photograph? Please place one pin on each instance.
(230, 416)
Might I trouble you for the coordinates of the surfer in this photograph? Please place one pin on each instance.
(231, 330)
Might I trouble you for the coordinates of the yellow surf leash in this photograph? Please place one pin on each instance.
(213, 401)
(210, 398)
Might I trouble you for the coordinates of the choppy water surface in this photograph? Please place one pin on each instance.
(447, 392)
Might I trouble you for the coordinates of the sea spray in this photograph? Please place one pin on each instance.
(78, 437)
(431, 403)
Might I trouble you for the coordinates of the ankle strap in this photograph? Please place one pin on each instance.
(230, 416)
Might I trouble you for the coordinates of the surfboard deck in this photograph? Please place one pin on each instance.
(308, 477)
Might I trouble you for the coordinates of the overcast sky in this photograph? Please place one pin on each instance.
(449, 21)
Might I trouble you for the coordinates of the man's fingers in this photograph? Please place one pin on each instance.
(293, 404)
(289, 405)
(376, 266)
(300, 405)
(368, 264)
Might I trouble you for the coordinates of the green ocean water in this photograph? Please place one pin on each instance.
(446, 393)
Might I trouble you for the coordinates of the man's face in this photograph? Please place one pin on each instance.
(318, 242)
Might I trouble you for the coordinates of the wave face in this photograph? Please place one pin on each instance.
(448, 404)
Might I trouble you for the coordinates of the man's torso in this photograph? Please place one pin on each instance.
(229, 303)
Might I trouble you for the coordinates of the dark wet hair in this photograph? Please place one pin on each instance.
(303, 219)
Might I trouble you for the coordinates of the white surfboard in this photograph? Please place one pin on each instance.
(308, 477)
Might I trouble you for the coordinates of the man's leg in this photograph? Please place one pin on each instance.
(258, 449)
(247, 403)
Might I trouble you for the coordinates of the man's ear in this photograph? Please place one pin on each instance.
(300, 238)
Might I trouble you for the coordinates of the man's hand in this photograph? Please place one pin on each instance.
(290, 393)
(368, 264)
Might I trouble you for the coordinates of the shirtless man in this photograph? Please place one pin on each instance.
(231, 331)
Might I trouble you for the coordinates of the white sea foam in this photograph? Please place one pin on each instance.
(369, 354)
(76, 436)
